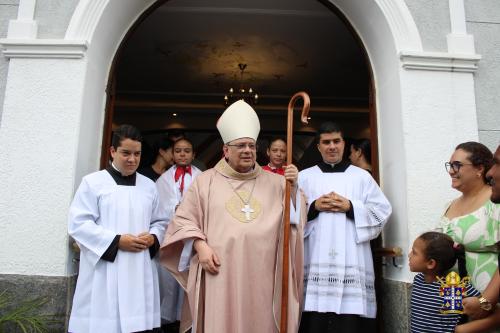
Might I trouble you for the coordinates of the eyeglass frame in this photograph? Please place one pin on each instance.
(242, 146)
(455, 166)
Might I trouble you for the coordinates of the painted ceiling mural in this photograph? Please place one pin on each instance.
(177, 65)
(196, 50)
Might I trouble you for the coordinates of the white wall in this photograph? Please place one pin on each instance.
(438, 113)
(425, 107)
(484, 23)
(54, 108)
(38, 141)
(51, 132)
(8, 11)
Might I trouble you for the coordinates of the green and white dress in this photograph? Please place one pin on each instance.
(479, 233)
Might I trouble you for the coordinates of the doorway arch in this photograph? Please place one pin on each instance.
(385, 28)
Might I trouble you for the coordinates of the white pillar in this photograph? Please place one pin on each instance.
(25, 27)
(39, 136)
(458, 40)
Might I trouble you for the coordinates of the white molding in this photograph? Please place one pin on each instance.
(458, 40)
(43, 48)
(24, 26)
(402, 25)
(437, 61)
(87, 15)
(245, 11)
(457, 17)
(89, 12)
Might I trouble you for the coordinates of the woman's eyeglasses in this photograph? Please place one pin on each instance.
(455, 166)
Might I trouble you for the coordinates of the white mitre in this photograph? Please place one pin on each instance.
(238, 121)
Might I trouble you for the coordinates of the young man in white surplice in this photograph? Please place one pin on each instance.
(346, 210)
(116, 220)
(171, 186)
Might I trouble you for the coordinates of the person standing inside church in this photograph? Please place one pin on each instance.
(346, 210)
(162, 160)
(361, 154)
(176, 134)
(226, 236)
(276, 151)
(171, 187)
(117, 222)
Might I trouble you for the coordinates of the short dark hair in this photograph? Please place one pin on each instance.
(184, 139)
(365, 146)
(125, 132)
(328, 127)
(440, 248)
(274, 139)
(480, 155)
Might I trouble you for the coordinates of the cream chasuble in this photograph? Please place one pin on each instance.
(240, 216)
(338, 268)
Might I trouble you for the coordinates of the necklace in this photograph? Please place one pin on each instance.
(247, 210)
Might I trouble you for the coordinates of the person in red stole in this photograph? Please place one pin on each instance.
(276, 151)
(171, 188)
(224, 244)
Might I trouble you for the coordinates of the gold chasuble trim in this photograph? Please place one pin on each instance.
(242, 205)
(241, 212)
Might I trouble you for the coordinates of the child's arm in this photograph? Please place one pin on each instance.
(481, 325)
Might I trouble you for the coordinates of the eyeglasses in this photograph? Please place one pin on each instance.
(455, 166)
(242, 146)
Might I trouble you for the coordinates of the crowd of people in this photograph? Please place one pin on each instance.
(173, 249)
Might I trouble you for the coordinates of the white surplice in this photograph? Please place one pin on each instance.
(338, 264)
(171, 294)
(120, 296)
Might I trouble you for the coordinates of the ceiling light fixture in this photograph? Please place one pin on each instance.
(248, 95)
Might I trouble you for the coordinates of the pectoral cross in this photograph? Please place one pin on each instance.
(247, 210)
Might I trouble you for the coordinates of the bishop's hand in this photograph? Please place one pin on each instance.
(291, 174)
(207, 257)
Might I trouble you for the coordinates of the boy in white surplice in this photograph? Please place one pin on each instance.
(116, 220)
(171, 187)
(346, 210)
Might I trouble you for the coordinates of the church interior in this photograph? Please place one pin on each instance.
(176, 66)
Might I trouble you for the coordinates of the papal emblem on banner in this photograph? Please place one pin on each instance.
(453, 290)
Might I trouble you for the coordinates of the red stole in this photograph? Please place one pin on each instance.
(181, 172)
(279, 171)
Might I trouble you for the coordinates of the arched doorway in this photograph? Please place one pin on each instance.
(384, 27)
(177, 79)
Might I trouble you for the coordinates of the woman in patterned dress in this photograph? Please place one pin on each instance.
(472, 219)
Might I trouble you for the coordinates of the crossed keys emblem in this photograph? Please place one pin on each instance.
(453, 290)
